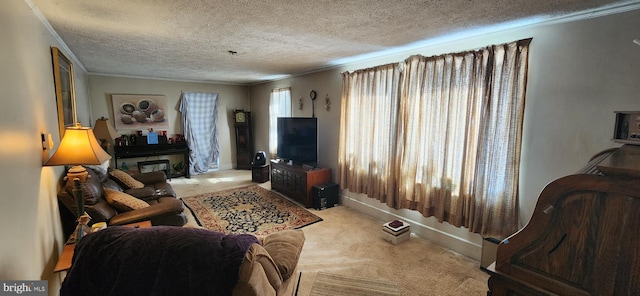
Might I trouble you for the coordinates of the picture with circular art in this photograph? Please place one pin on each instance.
(140, 112)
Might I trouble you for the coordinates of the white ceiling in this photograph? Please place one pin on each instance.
(191, 39)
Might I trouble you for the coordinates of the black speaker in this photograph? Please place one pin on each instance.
(325, 195)
(260, 159)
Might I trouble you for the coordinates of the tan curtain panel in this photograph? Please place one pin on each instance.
(447, 140)
(367, 130)
(498, 165)
(442, 106)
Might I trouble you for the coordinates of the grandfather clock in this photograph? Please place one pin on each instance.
(244, 140)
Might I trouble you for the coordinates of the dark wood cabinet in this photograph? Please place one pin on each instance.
(296, 182)
(244, 139)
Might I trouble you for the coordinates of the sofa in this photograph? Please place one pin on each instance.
(117, 198)
(183, 261)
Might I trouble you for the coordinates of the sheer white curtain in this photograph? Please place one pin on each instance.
(279, 106)
(200, 126)
(444, 140)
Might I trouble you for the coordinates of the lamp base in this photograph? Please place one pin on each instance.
(78, 172)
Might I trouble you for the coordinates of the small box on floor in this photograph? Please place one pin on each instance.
(396, 231)
(396, 239)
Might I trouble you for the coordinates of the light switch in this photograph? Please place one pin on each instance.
(47, 141)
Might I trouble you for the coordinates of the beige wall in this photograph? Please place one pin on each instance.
(30, 224)
(580, 72)
(231, 97)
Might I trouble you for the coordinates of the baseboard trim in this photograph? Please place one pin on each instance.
(437, 236)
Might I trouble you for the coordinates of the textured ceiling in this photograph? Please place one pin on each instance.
(191, 40)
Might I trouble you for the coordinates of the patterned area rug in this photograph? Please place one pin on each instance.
(250, 209)
(327, 284)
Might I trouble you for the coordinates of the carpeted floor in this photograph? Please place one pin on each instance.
(349, 243)
(327, 284)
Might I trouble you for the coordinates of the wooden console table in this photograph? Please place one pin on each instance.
(137, 151)
(296, 182)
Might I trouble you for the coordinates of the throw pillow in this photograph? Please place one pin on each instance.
(285, 247)
(125, 179)
(123, 202)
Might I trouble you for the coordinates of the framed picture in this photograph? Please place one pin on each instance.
(140, 112)
(65, 95)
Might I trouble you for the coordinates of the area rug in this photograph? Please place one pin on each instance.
(337, 285)
(251, 209)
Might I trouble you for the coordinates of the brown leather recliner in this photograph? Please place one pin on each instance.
(164, 209)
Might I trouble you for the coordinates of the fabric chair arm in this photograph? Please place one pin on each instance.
(285, 247)
(259, 275)
(165, 206)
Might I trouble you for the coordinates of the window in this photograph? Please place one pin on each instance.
(440, 135)
(200, 125)
(279, 106)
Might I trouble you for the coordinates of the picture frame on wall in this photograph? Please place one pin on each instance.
(140, 112)
(65, 93)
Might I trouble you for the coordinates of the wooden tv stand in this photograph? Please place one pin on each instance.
(296, 182)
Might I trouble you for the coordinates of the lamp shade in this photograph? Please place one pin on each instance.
(78, 146)
(103, 130)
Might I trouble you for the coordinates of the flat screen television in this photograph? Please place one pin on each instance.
(298, 140)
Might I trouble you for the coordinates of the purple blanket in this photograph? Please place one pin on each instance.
(161, 260)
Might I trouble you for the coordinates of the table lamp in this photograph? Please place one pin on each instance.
(78, 146)
(104, 133)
